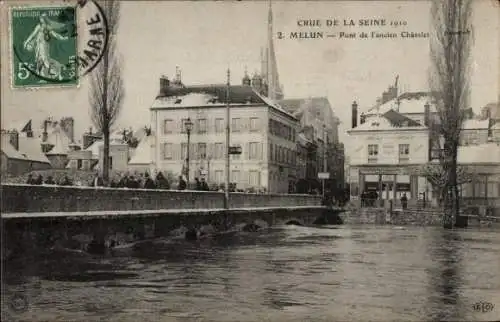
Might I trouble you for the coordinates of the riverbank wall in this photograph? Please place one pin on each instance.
(411, 216)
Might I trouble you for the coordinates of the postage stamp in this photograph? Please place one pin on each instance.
(44, 45)
(56, 45)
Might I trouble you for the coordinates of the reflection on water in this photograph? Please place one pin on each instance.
(282, 274)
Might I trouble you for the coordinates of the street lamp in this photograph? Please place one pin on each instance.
(188, 126)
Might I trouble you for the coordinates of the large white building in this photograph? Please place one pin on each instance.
(391, 142)
(264, 131)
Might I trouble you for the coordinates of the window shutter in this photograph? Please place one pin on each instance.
(246, 151)
(210, 150)
(162, 151)
(260, 151)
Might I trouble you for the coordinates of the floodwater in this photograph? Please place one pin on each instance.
(290, 273)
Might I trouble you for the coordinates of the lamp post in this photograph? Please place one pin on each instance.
(189, 126)
(325, 169)
(228, 141)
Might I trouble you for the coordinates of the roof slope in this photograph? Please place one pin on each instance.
(142, 153)
(9, 150)
(32, 148)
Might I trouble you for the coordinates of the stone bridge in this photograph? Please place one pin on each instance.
(88, 218)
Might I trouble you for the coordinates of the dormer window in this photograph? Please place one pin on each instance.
(375, 123)
(178, 101)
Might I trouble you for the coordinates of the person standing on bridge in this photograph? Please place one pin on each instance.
(182, 184)
(97, 181)
(404, 201)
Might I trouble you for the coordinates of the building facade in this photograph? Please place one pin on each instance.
(392, 142)
(263, 131)
(320, 126)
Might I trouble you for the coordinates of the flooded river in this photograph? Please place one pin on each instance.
(290, 273)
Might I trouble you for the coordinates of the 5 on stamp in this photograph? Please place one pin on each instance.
(44, 45)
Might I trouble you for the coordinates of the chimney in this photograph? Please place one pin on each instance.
(362, 118)
(45, 134)
(354, 114)
(386, 97)
(427, 109)
(68, 126)
(164, 85)
(14, 139)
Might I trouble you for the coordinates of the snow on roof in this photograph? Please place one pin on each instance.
(274, 104)
(142, 153)
(32, 148)
(187, 100)
(482, 153)
(9, 149)
(380, 123)
(475, 124)
(406, 103)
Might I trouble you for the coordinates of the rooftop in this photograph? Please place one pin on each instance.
(212, 95)
(142, 153)
(406, 103)
(390, 120)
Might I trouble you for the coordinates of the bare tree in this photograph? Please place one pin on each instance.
(438, 177)
(106, 84)
(449, 83)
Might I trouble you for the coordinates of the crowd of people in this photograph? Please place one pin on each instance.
(117, 180)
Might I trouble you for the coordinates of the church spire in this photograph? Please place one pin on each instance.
(270, 73)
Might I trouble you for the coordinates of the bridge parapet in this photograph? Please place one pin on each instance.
(17, 198)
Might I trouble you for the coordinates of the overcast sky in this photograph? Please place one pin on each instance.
(204, 38)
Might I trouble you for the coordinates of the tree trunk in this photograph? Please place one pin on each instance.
(460, 221)
(105, 161)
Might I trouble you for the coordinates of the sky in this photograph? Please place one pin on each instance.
(205, 38)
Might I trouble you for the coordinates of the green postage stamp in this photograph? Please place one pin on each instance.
(44, 46)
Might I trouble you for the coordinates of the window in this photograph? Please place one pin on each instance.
(235, 176)
(271, 152)
(236, 125)
(79, 164)
(167, 151)
(254, 151)
(219, 125)
(372, 153)
(219, 176)
(254, 178)
(183, 151)
(219, 151)
(110, 161)
(235, 156)
(168, 126)
(254, 124)
(202, 126)
(404, 152)
(202, 150)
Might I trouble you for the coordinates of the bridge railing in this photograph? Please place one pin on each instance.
(33, 198)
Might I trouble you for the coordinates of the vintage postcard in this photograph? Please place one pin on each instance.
(250, 160)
